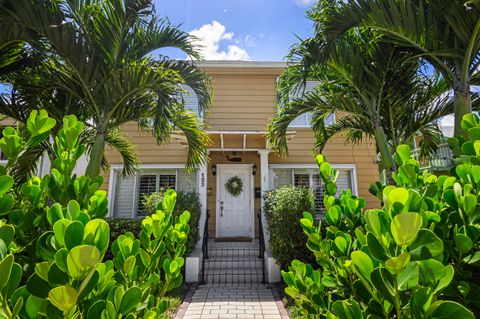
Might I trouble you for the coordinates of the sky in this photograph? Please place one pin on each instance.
(256, 30)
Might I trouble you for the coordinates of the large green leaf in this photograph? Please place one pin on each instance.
(398, 199)
(347, 309)
(6, 183)
(448, 310)
(5, 269)
(7, 232)
(362, 264)
(427, 245)
(74, 235)
(130, 300)
(81, 260)
(63, 297)
(97, 233)
(396, 264)
(409, 277)
(405, 227)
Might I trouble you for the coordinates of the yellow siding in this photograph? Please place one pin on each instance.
(245, 100)
(242, 101)
(148, 150)
(337, 152)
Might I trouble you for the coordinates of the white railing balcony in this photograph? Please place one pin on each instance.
(439, 160)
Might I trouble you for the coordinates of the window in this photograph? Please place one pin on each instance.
(305, 120)
(309, 177)
(129, 192)
(191, 101)
(151, 183)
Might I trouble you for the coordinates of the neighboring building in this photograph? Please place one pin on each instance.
(244, 102)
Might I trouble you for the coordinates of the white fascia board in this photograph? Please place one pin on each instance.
(241, 64)
(149, 166)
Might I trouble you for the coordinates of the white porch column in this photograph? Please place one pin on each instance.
(264, 186)
(202, 193)
(273, 271)
(193, 263)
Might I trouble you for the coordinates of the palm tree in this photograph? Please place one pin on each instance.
(97, 62)
(446, 33)
(379, 92)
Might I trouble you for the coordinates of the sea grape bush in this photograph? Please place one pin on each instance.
(416, 257)
(53, 240)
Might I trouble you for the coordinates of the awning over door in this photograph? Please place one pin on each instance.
(240, 140)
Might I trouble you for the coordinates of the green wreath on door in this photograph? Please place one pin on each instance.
(234, 186)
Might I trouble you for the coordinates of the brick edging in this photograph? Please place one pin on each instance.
(279, 303)
(186, 301)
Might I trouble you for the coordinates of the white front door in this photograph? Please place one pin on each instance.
(234, 213)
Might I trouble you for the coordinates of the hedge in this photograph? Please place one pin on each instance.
(284, 208)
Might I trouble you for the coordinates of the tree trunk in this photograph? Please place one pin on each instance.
(385, 153)
(96, 156)
(462, 105)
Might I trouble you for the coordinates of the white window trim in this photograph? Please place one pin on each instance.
(115, 168)
(351, 167)
(308, 123)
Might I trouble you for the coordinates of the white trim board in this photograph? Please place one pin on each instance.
(113, 175)
(148, 166)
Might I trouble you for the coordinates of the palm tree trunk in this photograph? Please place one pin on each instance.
(96, 156)
(462, 105)
(388, 162)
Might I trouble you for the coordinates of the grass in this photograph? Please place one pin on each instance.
(175, 298)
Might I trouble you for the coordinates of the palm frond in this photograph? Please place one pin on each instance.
(121, 143)
(194, 78)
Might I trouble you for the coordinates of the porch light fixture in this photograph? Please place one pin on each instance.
(254, 169)
(214, 169)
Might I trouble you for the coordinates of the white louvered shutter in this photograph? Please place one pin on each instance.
(123, 201)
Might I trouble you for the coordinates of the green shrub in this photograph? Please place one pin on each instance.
(416, 257)
(186, 201)
(284, 208)
(53, 240)
(119, 226)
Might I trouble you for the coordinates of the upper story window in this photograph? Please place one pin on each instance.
(191, 101)
(305, 120)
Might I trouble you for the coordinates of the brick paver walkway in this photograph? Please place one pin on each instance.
(225, 301)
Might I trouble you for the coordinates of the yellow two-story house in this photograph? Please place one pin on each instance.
(244, 103)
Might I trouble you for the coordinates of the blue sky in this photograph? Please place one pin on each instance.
(258, 30)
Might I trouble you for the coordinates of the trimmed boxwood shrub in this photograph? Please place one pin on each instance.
(284, 208)
(186, 201)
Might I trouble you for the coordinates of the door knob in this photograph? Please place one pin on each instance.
(221, 208)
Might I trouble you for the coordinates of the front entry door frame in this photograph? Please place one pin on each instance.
(222, 168)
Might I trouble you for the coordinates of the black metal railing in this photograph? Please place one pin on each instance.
(205, 247)
(261, 245)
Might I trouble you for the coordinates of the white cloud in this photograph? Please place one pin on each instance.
(249, 41)
(305, 3)
(210, 36)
